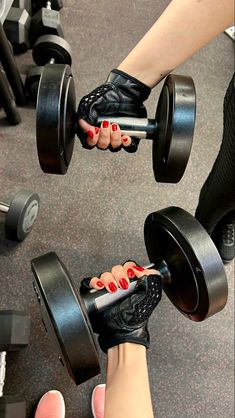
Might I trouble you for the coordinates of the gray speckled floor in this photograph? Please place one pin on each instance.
(93, 218)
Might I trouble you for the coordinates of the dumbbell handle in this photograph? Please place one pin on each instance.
(4, 207)
(97, 301)
(2, 370)
(141, 128)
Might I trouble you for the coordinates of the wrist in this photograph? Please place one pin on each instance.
(124, 355)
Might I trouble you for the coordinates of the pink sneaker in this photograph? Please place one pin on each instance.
(51, 405)
(97, 401)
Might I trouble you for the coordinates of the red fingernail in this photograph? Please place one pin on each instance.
(105, 124)
(97, 130)
(130, 273)
(90, 134)
(99, 283)
(124, 284)
(125, 139)
(112, 287)
(114, 127)
(138, 268)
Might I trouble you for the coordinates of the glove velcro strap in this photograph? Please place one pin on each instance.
(130, 84)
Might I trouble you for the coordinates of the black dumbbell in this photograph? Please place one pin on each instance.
(48, 49)
(23, 4)
(20, 214)
(16, 27)
(38, 4)
(180, 249)
(171, 130)
(14, 335)
(45, 22)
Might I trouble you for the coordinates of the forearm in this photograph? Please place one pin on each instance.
(183, 28)
(127, 384)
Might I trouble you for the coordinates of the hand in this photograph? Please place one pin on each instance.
(121, 95)
(127, 320)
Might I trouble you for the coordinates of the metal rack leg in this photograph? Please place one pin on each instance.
(8, 102)
(11, 70)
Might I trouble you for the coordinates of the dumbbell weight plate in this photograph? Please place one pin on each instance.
(175, 115)
(15, 330)
(38, 4)
(12, 407)
(32, 81)
(50, 47)
(199, 286)
(65, 318)
(22, 214)
(56, 110)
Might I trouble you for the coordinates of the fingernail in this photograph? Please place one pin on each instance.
(125, 139)
(130, 273)
(112, 287)
(97, 130)
(90, 134)
(138, 268)
(124, 283)
(114, 127)
(99, 283)
(105, 124)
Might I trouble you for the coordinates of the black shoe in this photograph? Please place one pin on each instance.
(224, 239)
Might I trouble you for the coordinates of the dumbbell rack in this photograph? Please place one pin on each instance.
(13, 76)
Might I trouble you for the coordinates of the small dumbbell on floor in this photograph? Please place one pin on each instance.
(171, 131)
(20, 214)
(48, 49)
(17, 25)
(179, 248)
(14, 336)
(46, 22)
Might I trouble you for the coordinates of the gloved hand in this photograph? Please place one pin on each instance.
(120, 95)
(127, 320)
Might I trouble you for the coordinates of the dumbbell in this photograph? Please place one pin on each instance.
(171, 131)
(16, 27)
(180, 249)
(14, 335)
(23, 4)
(38, 4)
(45, 22)
(48, 49)
(20, 214)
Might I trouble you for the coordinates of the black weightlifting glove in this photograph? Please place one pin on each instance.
(120, 95)
(127, 321)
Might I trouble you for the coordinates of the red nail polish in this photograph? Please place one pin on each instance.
(125, 139)
(124, 284)
(114, 127)
(105, 124)
(99, 283)
(138, 268)
(130, 273)
(97, 130)
(112, 287)
(90, 134)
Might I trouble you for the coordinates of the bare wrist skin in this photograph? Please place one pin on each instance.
(184, 27)
(127, 385)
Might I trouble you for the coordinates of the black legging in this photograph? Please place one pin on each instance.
(217, 196)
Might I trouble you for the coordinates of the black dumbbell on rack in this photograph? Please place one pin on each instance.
(17, 25)
(193, 278)
(171, 131)
(38, 4)
(20, 214)
(46, 21)
(48, 49)
(14, 335)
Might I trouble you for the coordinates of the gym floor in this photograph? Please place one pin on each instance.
(93, 218)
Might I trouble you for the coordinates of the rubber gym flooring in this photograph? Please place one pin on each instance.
(93, 218)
